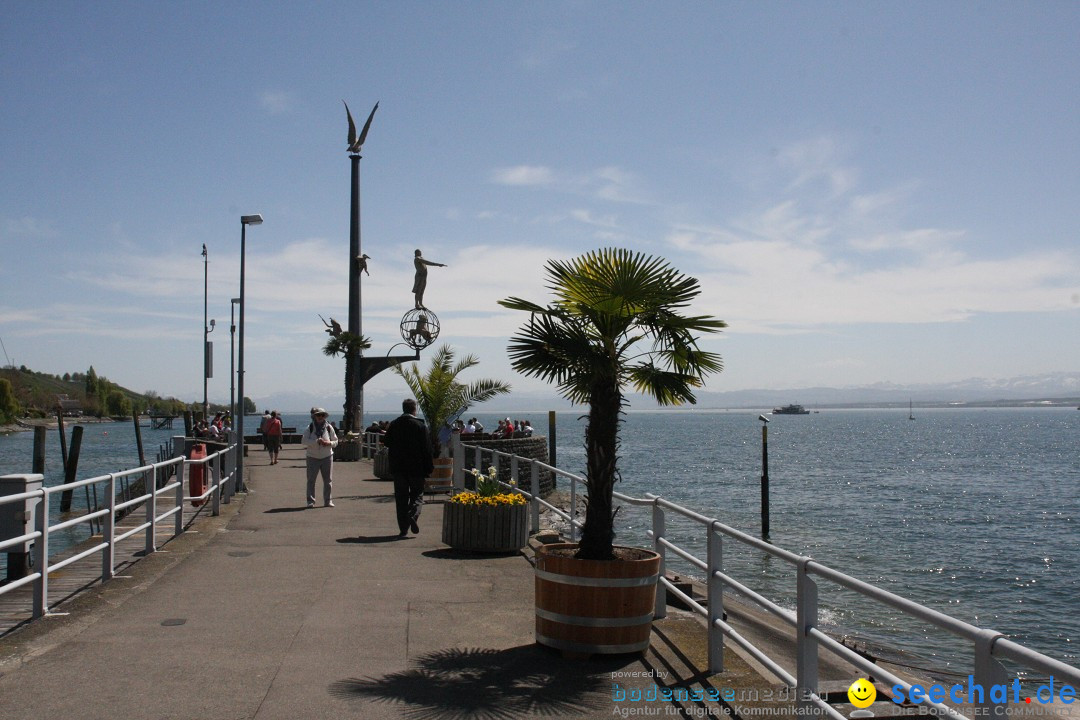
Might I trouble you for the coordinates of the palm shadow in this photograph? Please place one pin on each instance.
(486, 684)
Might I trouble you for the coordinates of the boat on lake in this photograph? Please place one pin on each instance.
(791, 410)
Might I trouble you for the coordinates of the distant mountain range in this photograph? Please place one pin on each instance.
(1061, 388)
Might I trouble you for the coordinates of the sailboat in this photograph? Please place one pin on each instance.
(910, 414)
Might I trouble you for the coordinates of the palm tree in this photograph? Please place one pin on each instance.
(614, 323)
(440, 396)
(349, 345)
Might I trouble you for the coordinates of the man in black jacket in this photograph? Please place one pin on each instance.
(410, 462)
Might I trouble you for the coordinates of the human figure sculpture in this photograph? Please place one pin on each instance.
(361, 264)
(420, 281)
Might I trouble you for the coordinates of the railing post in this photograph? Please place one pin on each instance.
(226, 477)
(181, 480)
(806, 617)
(458, 452)
(514, 469)
(151, 513)
(573, 511)
(41, 557)
(108, 533)
(213, 471)
(715, 589)
(659, 529)
(988, 670)
(534, 490)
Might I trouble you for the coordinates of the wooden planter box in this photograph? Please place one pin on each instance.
(485, 528)
(381, 464)
(347, 451)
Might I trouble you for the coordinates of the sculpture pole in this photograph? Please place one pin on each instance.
(354, 389)
(354, 385)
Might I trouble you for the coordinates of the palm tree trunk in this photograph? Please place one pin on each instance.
(601, 448)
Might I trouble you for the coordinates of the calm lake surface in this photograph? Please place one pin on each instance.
(974, 512)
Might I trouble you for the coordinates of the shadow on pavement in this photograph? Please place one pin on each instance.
(490, 684)
(301, 508)
(370, 539)
(452, 554)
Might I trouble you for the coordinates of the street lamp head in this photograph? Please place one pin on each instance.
(213, 323)
(762, 418)
(251, 219)
(204, 249)
(235, 300)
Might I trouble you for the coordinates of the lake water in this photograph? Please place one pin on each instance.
(974, 512)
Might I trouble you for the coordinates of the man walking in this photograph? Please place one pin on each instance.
(410, 462)
(320, 439)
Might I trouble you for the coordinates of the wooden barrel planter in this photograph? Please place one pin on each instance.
(442, 477)
(595, 607)
(485, 528)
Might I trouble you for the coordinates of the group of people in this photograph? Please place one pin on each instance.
(216, 429)
(271, 431)
(506, 428)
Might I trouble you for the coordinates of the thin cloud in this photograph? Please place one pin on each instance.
(276, 102)
(28, 227)
(826, 255)
(523, 175)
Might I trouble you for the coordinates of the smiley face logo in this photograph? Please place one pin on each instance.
(862, 693)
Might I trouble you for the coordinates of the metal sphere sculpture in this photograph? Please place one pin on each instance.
(419, 328)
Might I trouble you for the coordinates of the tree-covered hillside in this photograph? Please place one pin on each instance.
(25, 393)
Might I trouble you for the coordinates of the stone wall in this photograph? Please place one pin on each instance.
(534, 448)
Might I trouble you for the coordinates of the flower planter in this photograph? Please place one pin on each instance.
(593, 606)
(485, 528)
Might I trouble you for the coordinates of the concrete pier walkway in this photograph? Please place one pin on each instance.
(273, 610)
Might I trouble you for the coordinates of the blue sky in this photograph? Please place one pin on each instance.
(868, 192)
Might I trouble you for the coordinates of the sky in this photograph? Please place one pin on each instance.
(866, 192)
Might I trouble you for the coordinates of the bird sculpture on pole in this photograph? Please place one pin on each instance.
(355, 143)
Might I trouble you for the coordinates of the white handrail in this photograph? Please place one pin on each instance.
(222, 483)
(988, 644)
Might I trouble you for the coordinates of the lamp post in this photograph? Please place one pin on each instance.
(764, 476)
(205, 333)
(245, 220)
(232, 361)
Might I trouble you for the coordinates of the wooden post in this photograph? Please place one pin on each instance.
(552, 459)
(71, 467)
(764, 481)
(63, 436)
(39, 450)
(138, 440)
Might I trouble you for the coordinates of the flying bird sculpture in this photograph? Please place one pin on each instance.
(355, 143)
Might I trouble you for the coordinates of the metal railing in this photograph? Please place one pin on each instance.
(989, 647)
(219, 471)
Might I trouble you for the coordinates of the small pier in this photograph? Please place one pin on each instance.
(162, 422)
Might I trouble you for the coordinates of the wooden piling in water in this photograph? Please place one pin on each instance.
(138, 440)
(71, 466)
(39, 450)
(63, 436)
